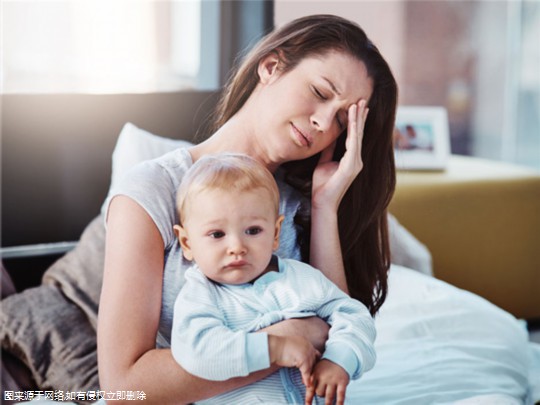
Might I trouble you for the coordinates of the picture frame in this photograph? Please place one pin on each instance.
(421, 138)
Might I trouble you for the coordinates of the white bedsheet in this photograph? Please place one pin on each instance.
(438, 344)
(534, 373)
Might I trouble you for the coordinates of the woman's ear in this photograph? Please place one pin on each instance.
(268, 68)
(183, 238)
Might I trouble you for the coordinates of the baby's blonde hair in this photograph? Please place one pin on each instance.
(226, 171)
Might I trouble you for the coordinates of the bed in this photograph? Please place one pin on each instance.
(436, 343)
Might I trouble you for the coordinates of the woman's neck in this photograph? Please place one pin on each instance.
(236, 136)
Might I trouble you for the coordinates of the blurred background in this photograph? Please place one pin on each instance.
(479, 59)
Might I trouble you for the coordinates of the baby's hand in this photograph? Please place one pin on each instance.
(329, 381)
(293, 351)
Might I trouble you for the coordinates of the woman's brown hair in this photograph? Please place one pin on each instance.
(362, 214)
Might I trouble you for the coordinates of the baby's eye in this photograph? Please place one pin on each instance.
(217, 234)
(254, 230)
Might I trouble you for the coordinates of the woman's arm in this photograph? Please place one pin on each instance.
(331, 180)
(325, 246)
(129, 315)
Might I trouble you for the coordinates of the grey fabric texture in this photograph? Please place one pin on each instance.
(52, 328)
(79, 273)
(15, 376)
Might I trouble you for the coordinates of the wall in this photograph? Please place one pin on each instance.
(56, 154)
(383, 22)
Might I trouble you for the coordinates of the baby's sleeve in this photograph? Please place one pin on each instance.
(202, 342)
(352, 332)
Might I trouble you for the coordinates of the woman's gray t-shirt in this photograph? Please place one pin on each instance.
(153, 184)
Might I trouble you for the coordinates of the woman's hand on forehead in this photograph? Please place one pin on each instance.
(332, 179)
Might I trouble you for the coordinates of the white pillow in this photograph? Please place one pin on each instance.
(136, 145)
(406, 250)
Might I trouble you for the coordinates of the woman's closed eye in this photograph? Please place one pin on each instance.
(318, 93)
(341, 121)
(253, 230)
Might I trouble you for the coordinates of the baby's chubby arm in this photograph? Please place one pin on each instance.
(349, 350)
(351, 339)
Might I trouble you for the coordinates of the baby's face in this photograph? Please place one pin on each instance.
(230, 234)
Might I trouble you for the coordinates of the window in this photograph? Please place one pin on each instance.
(506, 107)
(109, 46)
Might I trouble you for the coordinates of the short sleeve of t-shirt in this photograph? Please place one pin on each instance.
(153, 184)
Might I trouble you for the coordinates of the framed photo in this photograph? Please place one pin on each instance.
(421, 138)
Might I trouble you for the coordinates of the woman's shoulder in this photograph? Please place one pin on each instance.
(165, 172)
(170, 162)
(153, 184)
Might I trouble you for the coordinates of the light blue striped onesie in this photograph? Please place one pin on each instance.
(214, 327)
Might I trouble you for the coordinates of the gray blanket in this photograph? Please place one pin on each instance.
(52, 327)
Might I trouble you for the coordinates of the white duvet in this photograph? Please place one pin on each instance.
(438, 344)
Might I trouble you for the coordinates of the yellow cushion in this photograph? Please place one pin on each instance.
(481, 221)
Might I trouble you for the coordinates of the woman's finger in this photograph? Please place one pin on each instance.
(361, 118)
(359, 115)
(352, 127)
(353, 144)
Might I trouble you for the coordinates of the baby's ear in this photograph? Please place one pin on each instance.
(183, 238)
(279, 221)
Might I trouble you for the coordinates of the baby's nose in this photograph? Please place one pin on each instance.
(237, 247)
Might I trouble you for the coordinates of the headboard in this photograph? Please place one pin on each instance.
(56, 154)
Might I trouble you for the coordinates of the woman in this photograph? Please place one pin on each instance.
(298, 103)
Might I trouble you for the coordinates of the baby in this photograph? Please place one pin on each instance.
(228, 207)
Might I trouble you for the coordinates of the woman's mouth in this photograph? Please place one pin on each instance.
(301, 138)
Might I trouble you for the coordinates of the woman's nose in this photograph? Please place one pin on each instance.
(322, 118)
